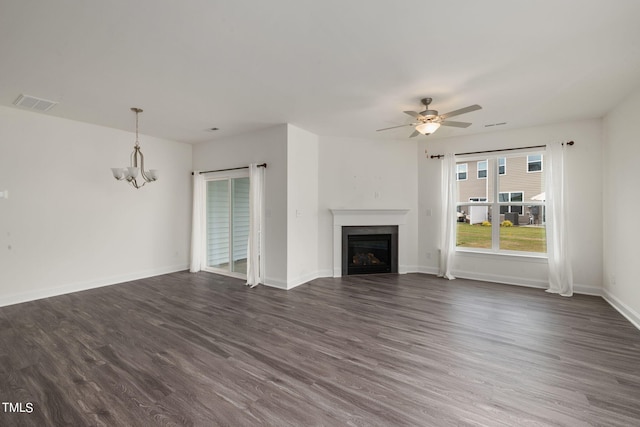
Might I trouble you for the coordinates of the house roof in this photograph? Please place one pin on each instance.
(331, 67)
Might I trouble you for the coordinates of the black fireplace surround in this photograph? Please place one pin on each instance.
(369, 249)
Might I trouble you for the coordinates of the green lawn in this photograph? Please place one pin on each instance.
(528, 239)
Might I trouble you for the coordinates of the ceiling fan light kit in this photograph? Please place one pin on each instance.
(428, 121)
(428, 128)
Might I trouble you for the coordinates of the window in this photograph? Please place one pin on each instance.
(227, 223)
(502, 213)
(482, 169)
(517, 196)
(534, 163)
(502, 166)
(502, 198)
(461, 172)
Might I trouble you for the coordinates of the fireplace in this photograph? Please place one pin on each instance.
(367, 220)
(369, 250)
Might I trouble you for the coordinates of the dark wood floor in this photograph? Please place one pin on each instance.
(387, 350)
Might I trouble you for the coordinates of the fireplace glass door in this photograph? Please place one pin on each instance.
(369, 253)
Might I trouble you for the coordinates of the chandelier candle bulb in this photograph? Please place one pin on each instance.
(132, 172)
(118, 173)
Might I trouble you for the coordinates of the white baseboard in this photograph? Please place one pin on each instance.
(295, 284)
(587, 290)
(512, 280)
(275, 283)
(405, 269)
(507, 280)
(86, 285)
(628, 312)
(428, 270)
(325, 273)
(307, 277)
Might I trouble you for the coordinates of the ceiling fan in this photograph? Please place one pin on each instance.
(428, 121)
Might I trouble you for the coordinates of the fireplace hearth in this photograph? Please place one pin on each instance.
(369, 250)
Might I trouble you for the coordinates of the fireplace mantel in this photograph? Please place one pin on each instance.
(348, 216)
(356, 217)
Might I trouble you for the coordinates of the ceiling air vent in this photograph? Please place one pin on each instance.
(33, 103)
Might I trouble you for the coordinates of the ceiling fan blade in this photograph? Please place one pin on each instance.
(464, 110)
(414, 134)
(413, 114)
(400, 126)
(456, 124)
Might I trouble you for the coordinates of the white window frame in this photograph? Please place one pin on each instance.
(465, 172)
(495, 209)
(505, 166)
(535, 161)
(486, 169)
(220, 176)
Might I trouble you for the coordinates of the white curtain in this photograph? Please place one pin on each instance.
(560, 272)
(197, 233)
(448, 229)
(255, 264)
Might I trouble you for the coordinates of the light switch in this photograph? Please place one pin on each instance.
(4, 194)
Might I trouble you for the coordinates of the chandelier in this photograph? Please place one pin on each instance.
(130, 173)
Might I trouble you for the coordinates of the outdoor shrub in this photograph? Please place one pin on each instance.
(486, 224)
(506, 223)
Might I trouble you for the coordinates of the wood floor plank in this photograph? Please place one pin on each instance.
(379, 350)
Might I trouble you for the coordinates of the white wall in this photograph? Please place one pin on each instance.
(585, 202)
(366, 174)
(302, 206)
(270, 146)
(621, 152)
(68, 225)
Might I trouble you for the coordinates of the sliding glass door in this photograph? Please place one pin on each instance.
(227, 225)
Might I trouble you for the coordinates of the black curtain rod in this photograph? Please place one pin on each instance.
(439, 156)
(263, 165)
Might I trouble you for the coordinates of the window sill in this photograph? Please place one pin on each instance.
(523, 256)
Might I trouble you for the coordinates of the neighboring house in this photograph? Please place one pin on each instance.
(520, 180)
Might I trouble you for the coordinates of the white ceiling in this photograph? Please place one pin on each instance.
(332, 67)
